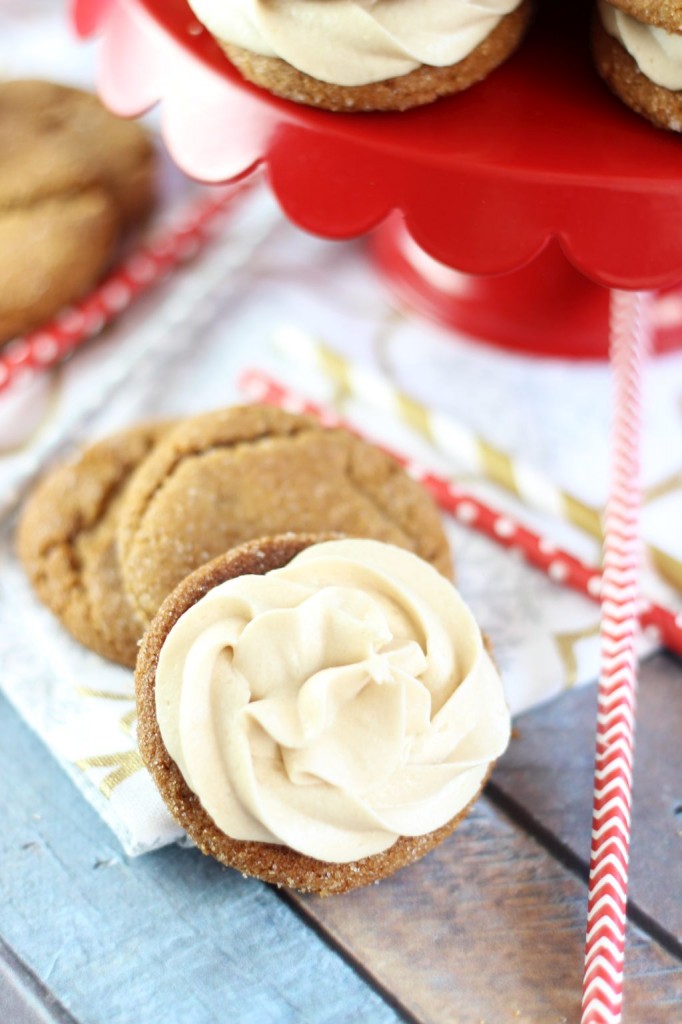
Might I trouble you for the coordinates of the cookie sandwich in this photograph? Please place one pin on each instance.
(318, 713)
(73, 179)
(637, 47)
(348, 55)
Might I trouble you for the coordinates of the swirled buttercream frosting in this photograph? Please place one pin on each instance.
(355, 42)
(657, 53)
(334, 704)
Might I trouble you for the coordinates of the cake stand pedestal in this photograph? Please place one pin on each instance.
(537, 188)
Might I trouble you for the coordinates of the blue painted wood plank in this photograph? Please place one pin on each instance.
(170, 937)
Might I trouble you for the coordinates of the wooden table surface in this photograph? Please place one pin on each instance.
(488, 929)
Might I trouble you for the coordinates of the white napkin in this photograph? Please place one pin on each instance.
(554, 414)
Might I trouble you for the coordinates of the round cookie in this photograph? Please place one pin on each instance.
(666, 14)
(77, 236)
(422, 85)
(72, 177)
(620, 70)
(270, 862)
(67, 542)
(249, 471)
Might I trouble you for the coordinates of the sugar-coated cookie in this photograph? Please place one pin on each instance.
(637, 46)
(67, 542)
(318, 713)
(72, 178)
(350, 56)
(229, 476)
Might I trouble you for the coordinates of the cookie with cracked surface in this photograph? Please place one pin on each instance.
(186, 623)
(225, 477)
(72, 178)
(67, 542)
(637, 49)
(423, 84)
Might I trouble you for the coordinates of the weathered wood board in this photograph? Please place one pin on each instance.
(547, 775)
(489, 928)
(493, 924)
(169, 938)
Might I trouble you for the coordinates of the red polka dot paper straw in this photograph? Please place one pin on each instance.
(608, 887)
(664, 625)
(137, 275)
(471, 450)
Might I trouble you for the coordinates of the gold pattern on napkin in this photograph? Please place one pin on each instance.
(566, 644)
(125, 764)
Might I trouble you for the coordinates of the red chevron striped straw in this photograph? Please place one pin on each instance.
(607, 899)
(662, 624)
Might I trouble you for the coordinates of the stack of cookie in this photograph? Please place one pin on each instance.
(106, 538)
(316, 703)
(73, 179)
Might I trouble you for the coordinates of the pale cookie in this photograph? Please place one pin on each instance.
(229, 476)
(666, 14)
(67, 542)
(72, 178)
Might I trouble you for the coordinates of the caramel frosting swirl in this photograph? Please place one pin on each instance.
(657, 53)
(355, 42)
(332, 705)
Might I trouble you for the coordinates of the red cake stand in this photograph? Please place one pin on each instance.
(515, 205)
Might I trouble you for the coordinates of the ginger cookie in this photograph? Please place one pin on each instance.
(229, 476)
(72, 178)
(358, 57)
(666, 14)
(637, 47)
(67, 542)
(318, 713)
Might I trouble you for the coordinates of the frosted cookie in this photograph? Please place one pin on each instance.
(318, 714)
(72, 178)
(637, 47)
(229, 476)
(350, 55)
(67, 542)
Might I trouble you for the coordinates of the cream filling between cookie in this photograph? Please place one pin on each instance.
(332, 705)
(657, 53)
(355, 42)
